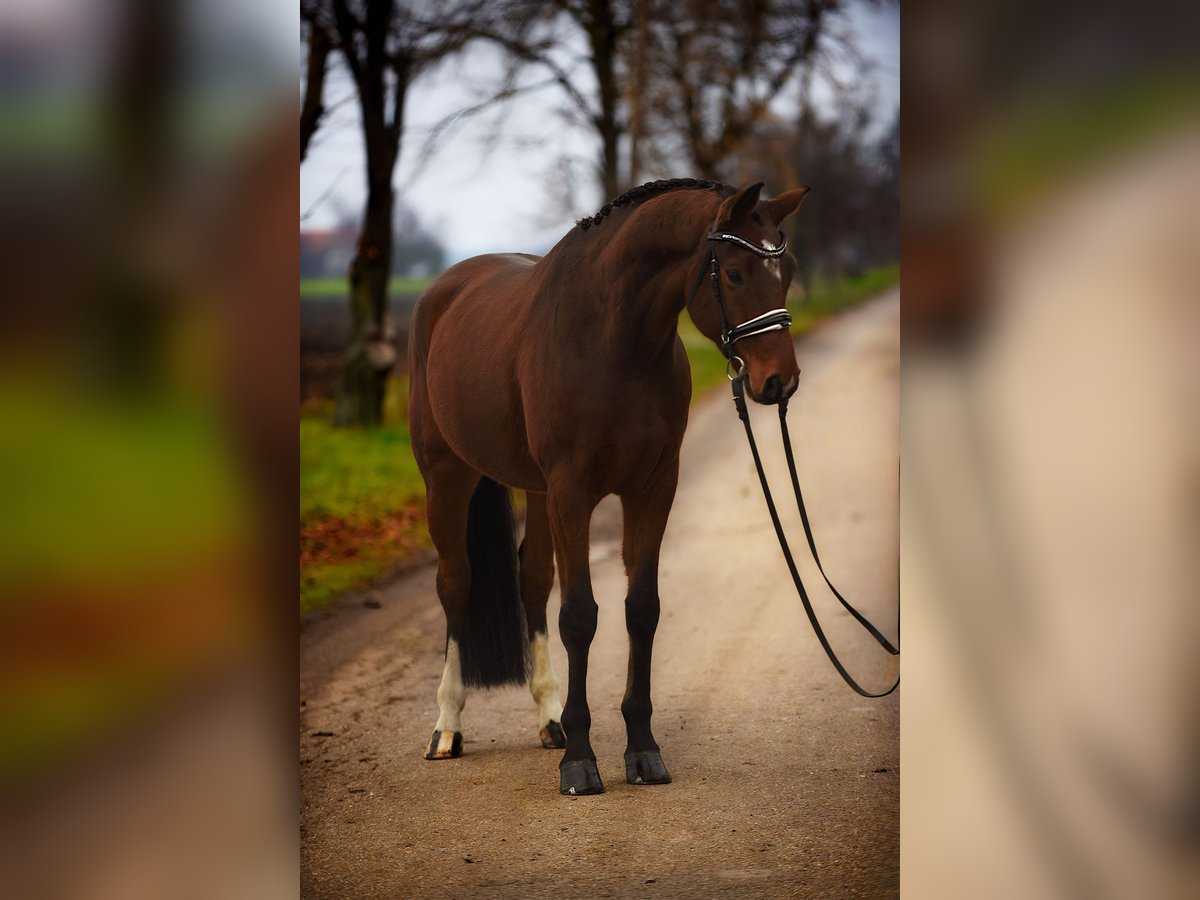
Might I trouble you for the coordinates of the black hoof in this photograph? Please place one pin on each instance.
(445, 745)
(553, 737)
(646, 767)
(579, 776)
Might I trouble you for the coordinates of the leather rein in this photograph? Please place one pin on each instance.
(777, 320)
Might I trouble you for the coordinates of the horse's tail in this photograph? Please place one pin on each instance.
(494, 647)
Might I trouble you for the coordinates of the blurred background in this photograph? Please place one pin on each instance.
(1050, 721)
(471, 127)
(149, 329)
(147, 447)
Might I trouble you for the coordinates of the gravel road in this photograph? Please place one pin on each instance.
(786, 783)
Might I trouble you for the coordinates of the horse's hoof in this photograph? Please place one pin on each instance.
(553, 737)
(579, 776)
(646, 767)
(445, 745)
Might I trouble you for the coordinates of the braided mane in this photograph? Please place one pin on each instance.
(647, 190)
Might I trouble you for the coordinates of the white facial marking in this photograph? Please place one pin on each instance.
(774, 268)
(542, 683)
(451, 694)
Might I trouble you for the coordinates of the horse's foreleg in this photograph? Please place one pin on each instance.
(645, 521)
(537, 578)
(569, 512)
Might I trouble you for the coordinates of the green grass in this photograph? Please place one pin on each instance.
(356, 474)
(328, 288)
(355, 481)
(1045, 143)
(828, 296)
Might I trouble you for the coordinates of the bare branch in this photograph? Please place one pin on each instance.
(444, 128)
(312, 109)
(526, 52)
(325, 195)
(349, 27)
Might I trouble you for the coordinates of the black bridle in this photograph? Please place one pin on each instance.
(772, 320)
(777, 320)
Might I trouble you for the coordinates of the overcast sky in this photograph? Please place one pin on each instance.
(482, 203)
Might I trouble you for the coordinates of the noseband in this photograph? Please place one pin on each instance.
(772, 320)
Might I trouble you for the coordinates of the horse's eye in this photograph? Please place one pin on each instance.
(735, 277)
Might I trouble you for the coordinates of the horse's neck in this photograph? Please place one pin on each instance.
(650, 264)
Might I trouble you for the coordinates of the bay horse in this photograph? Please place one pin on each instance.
(564, 376)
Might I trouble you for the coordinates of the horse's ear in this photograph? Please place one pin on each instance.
(786, 203)
(738, 206)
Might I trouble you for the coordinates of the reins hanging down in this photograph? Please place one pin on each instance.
(775, 320)
(739, 400)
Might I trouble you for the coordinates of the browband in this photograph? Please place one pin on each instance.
(763, 250)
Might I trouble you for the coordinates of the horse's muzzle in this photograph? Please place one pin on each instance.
(775, 391)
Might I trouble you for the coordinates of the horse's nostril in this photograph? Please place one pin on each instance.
(773, 389)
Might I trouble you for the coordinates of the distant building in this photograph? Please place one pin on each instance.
(326, 254)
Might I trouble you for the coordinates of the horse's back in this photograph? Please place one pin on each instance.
(473, 273)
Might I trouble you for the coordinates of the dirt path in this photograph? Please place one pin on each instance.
(785, 782)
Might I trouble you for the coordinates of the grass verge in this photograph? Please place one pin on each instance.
(362, 500)
(338, 288)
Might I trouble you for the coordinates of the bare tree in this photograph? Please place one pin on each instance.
(852, 221)
(385, 45)
(717, 65)
(679, 82)
(606, 24)
(538, 35)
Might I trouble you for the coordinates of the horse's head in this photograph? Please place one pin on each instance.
(754, 272)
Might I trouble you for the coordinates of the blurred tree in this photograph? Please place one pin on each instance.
(386, 45)
(852, 221)
(543, 35)
(669, 85)
(606, 25)
(320, 43)
(714, 66)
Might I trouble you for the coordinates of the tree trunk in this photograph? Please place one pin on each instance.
(637, 88)
(602, 34)
(371, 353)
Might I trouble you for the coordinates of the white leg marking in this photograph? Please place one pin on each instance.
(451, 694)
(542, 683)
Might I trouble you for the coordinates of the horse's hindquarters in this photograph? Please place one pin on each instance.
(469, 370)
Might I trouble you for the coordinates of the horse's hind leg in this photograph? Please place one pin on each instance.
(645, 521)
(449, 486)
(537, 578)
